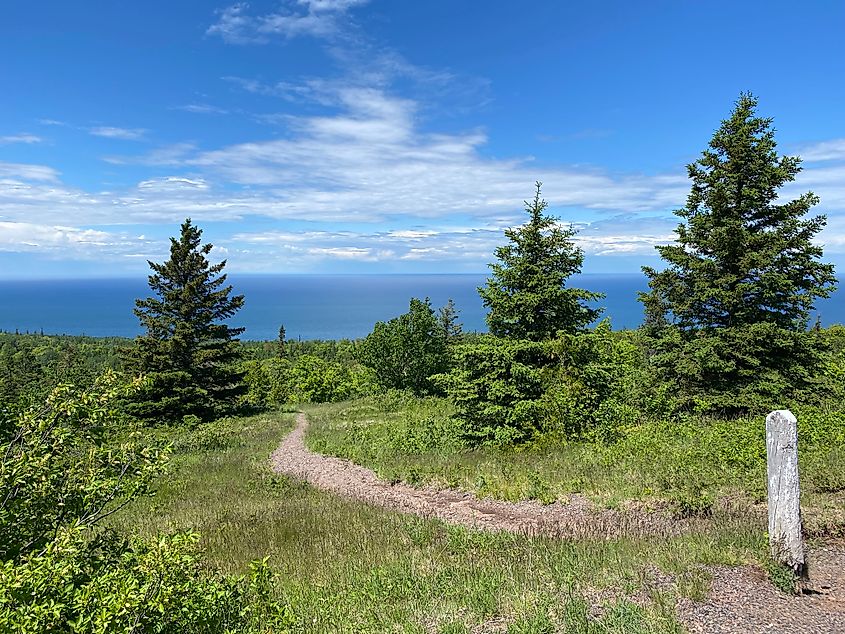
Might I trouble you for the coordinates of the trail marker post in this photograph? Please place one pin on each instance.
(785, 539)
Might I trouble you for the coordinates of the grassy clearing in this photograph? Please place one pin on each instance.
(344, 566)
(687, 464)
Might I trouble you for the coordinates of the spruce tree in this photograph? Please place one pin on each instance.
(527, 293)
(729, 312)
(447, 317)
(188, 353)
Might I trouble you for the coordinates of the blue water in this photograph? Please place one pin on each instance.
(309, 306)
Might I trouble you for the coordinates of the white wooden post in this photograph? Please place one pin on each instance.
(785, 538)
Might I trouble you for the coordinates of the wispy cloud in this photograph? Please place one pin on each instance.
(317, 18)
(69, 242)
(25, 138)
(174, 154)
(824, 151)
(27, 172)
(202, 108)
(125, 134)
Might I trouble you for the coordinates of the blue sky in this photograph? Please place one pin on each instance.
(385, 136)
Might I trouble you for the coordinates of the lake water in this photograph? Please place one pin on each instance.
(309, 306)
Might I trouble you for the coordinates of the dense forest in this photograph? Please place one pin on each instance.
(90, 427)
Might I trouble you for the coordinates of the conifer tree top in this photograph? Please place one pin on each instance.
(527, 293)
(742, 254)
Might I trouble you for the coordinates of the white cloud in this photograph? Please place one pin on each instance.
(174, 154)
(27, 172)
(317, 18)
(173, 184)
(26, 138)
(68, 242)
(202, 108)
(111, 132)
(824, 151)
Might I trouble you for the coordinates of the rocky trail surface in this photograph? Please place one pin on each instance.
(740, 599)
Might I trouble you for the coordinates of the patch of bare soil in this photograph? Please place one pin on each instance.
(743, 600)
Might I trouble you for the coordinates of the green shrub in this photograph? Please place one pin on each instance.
(407, 350)
(96, 583)
(66, 466)
(590, 392)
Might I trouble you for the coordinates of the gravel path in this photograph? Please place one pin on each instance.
(740, 600)
(743, 600)
(577, 518)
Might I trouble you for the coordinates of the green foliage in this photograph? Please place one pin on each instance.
(527, 294)
(450, 327)
(497, 386)
(82, 583)
(405, 351)
(781, 576)
(729, 313)
(591, 389)
(32, 365)
(582, 385)
(69, 460)
(313, 380)
(66, 466)
(307, 379)
(187, 352)
(21, 376)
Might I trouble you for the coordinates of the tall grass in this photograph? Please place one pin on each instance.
(685, 464)
(347, 567)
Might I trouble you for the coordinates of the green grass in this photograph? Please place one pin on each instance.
(344, 566)
(685, 465)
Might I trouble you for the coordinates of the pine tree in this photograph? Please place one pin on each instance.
(187, 353)
(281, 342)
(527, 294)
(730, 310)
(447, 317)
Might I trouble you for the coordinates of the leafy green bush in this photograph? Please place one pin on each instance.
(406, 351)
(83, 582)
(592, 387)
(63, 462)
(66, 466)
(307, 379)
(313, 380)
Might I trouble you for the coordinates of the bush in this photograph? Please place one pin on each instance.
(66, 466)
(307, 379)
(96, 583)
(406, 351)
(592, 390)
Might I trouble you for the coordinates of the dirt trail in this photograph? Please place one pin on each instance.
(740, 600)
(576, 518)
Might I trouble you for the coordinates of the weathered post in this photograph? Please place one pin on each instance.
(785, 538)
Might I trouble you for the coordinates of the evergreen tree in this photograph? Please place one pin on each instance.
(187, 353)
(729, 313)
(527, 293)
(447, 317)
(281, 342)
